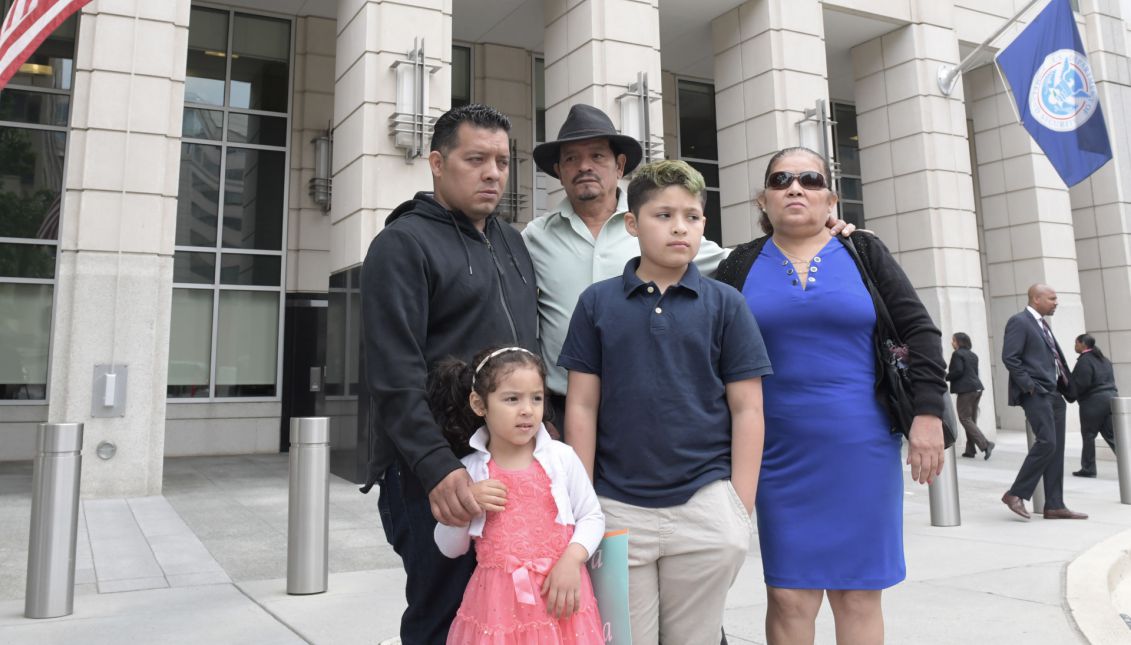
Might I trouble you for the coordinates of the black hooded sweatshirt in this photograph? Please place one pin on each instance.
(434, 286)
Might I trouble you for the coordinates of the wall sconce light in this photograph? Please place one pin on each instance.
(320, 184)
(635, 116)
(410, 124)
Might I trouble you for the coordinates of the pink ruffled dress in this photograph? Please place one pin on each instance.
(503, 604)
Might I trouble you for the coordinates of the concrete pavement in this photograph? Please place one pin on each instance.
(206, 562)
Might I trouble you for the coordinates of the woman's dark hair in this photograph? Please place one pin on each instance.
(1089, 341)
(452, 381)
(764, 220)
(963, 340)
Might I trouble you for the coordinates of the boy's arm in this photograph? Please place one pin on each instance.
(589, 521)
(583, 398)
(747, 435)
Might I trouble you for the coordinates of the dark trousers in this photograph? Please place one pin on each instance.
(557, 406)
(967, 404)
(1045, 414)
(1095, 419)
(435, 584)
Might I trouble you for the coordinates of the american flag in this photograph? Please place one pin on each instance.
(29, 22)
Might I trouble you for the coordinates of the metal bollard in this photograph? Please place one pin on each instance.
(1039, 491)
(50, 589)
(943, 492)
(1121, 422)
(308, 519)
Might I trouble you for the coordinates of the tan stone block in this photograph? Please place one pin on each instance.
(898, 46)
(633, 22)
(867, 58)
(738, 224)
(732, 144)
(753, 19)
(876, 162)
(879, 198)
(871, 92)
(734, 184)
(726, 31)
(729, 70)
(760, 93)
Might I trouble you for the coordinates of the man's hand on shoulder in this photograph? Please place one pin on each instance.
(452, 500)
(839, 226)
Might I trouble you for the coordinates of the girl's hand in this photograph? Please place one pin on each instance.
(562, 588)
(491, 494)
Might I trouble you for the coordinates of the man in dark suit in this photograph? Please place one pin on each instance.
(1038, 382)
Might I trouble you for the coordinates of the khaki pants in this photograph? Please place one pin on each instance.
(681, 562)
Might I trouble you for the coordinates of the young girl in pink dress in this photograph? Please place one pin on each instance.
(541, 521)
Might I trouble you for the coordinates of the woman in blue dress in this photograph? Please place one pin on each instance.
(830, 497)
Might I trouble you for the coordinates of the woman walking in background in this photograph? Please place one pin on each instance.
(1093, 380)
(967, 388)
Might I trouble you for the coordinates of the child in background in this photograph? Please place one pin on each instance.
(664, 408)
(542, 520)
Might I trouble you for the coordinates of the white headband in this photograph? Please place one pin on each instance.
(493, 354)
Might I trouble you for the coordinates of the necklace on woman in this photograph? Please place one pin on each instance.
(801, 265)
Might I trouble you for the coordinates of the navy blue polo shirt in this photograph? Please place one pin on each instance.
(664, 427)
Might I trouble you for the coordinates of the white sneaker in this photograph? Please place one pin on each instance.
(391, 641)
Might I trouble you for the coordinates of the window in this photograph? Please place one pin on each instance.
(231, 207)
(699, 145)
(343, 333)
(34, 114)
(461, 75)
(848, 183)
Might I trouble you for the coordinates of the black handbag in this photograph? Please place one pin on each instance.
(893, 379)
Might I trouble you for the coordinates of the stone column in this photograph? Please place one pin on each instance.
(503, 78)
(1101, 204)
(594, 50)
(769, 68)
(114, 285)
(371, 176)
(312, 113)
(915, 167)
(1027, 226)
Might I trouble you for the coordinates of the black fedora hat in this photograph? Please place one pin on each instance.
(587, 122)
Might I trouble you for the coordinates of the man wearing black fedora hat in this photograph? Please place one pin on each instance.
(583, 239)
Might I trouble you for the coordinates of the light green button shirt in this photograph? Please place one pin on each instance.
(567, 260)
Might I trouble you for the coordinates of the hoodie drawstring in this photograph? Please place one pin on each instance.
(507, 244)
(462, 241)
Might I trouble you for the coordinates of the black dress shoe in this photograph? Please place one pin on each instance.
(968, 454)
(1015, 504)
(1084, 473)
(988, 450)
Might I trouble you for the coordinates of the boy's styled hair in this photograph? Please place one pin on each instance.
(444, 132)
(658, 175)
(452, 381)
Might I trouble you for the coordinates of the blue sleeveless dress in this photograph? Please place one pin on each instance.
(830, 496)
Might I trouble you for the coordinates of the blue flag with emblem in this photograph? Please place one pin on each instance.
(1052, 84)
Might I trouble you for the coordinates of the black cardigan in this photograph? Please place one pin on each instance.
(925, 362)
(1093, 376)
(963, 372)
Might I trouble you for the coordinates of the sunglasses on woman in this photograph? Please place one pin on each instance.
(810, 179)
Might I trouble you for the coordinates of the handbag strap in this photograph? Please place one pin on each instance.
(882, 315)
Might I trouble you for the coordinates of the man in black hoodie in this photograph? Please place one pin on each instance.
(444, 278)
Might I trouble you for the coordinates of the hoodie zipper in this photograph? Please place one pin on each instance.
(502, 294)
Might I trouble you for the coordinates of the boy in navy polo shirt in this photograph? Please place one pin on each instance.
(664, 407)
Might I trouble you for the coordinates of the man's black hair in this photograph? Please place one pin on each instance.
(444, 133)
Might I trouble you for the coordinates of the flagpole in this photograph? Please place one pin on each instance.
(948, 74)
